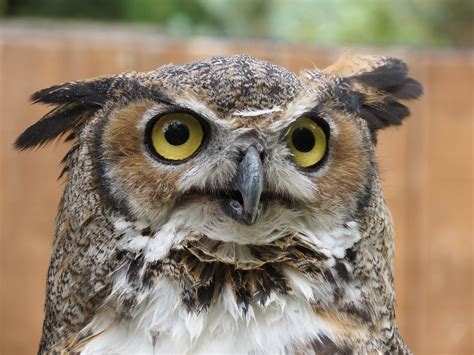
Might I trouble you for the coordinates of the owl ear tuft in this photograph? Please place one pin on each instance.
(88, 91)
(371, 87)
(76, 102)
(64, 118)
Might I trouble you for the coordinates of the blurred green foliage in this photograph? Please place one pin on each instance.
(408, 22)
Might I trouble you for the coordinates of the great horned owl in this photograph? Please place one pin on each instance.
(226, 205)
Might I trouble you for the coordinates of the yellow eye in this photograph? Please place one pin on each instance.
(307, 142)
(176, 136)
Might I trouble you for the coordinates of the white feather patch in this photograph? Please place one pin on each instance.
(163, 325)
(254, 113)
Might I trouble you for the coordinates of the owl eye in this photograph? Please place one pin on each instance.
(307, 142)
(175, 136)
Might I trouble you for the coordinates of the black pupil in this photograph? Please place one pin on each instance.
(177, 133)
(303, 139)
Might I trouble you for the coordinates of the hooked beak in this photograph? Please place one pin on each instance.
(248, 182)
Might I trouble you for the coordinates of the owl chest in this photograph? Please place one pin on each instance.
(165, 325)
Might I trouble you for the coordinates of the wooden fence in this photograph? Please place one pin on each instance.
(426, 165)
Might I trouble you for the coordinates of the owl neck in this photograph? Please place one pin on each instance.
(349, 289)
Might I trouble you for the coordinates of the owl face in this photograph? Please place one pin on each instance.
(247, 166)
(235, 149)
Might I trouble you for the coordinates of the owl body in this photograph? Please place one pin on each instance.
(226, 205)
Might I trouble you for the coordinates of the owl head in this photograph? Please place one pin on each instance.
(234, 148)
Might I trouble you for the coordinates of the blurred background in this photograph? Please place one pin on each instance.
(426, 165)
(316, 22)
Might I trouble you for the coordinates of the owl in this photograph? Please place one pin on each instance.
(223, 206)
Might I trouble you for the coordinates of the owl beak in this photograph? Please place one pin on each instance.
(249, 182)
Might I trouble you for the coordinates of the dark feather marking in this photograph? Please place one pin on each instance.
(103, 185)
(54, 124)
(151, 274)
(391, 81)
(385, 77)
(351, 254)
(391, 114)
(338, 293)
(71, 136)
(242, 292)
(145, 232)
(188, 294)
(134, 269)
(97, 92)
(350, 100)
(373, 122)
(409, 90)
(76, 101)
(67, 160)
(363, 315)
(207, 272)
(121, 255)
(386, 117)
(280, 282)
(397, 112)
(85, 91)
(205, 296)
(328, 275)
(342, 271)
(365, 196)
(265, 287)
(325, 346)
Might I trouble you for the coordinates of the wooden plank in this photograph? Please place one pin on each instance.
(29, 196)
(448, 230)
